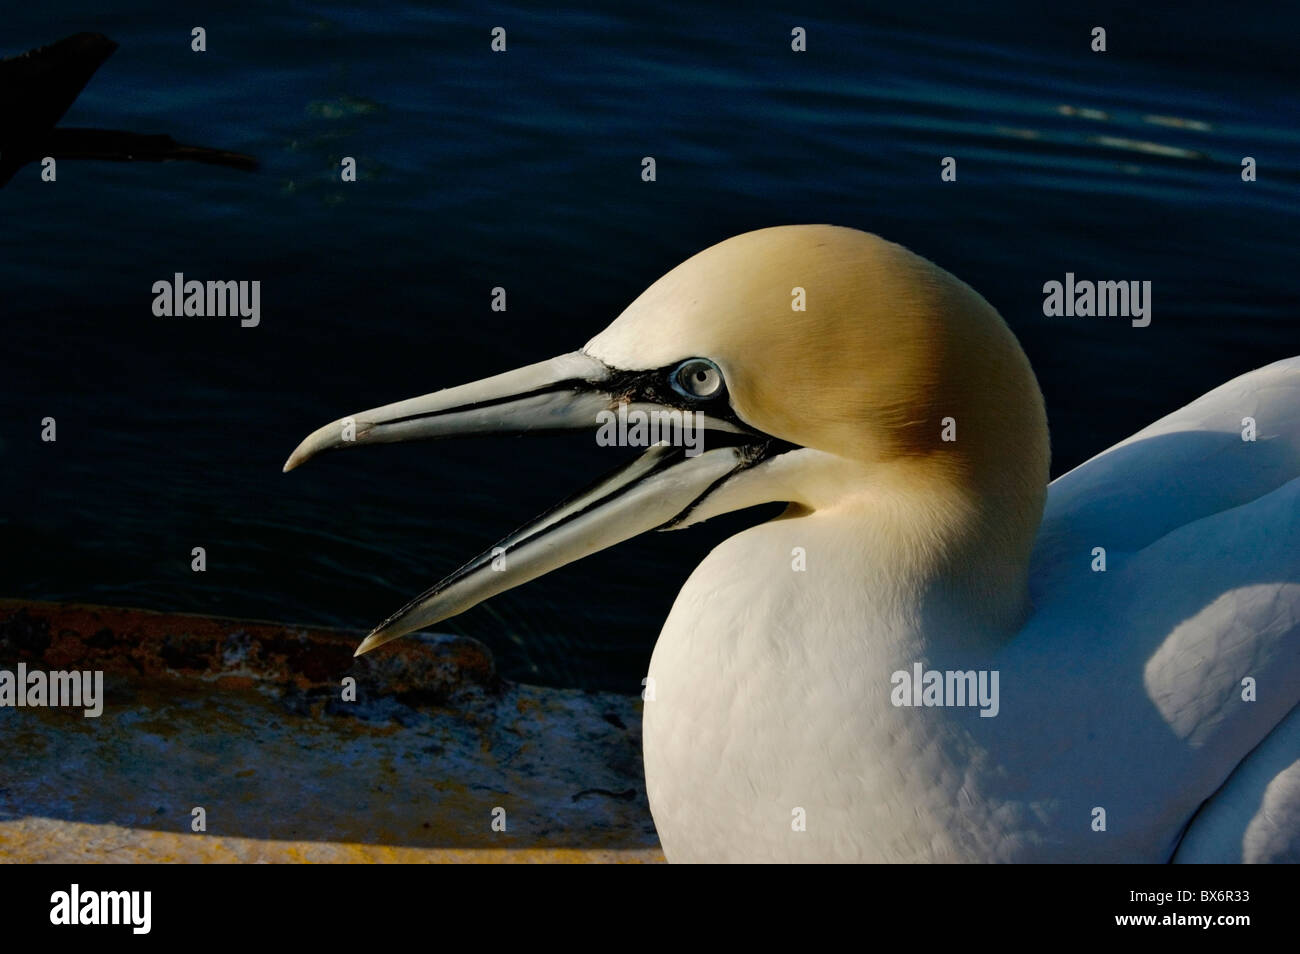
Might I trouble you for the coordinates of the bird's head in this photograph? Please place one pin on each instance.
(825, 366)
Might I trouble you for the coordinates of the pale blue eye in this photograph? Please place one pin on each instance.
(697, 378)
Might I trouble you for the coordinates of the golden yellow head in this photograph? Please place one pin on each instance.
(836, 339)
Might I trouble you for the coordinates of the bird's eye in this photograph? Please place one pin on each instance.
(697, 378)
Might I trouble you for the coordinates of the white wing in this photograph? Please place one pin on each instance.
(1191, 464)
(1201, 532)
(1255, 816)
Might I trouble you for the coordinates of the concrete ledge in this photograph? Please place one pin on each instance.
(247, 720)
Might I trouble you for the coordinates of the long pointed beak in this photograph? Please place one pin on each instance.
(558, 394)
(656, 490)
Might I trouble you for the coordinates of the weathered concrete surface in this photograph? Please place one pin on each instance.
(247, 721)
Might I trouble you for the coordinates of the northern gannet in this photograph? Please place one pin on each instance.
(1146, 711)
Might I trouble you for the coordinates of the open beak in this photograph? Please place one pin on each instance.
(656, 490)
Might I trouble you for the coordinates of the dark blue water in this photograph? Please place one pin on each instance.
(523, 170)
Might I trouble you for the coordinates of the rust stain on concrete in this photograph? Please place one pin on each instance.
(247, 720)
